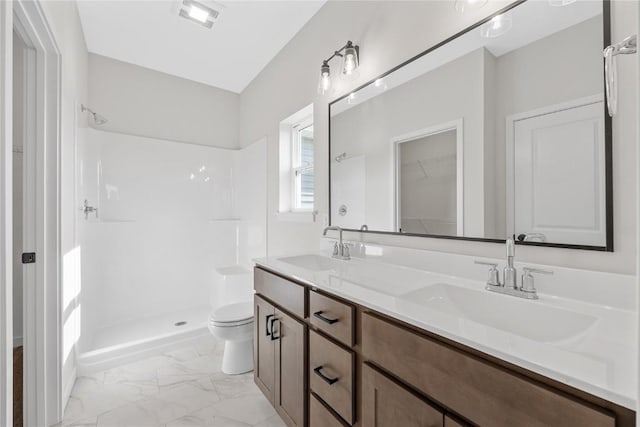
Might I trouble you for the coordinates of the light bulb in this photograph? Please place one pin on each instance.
(349, 60)
(325, 79)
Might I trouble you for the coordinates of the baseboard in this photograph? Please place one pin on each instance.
(17, 341)
(66, 394)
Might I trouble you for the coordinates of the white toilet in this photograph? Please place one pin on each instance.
(231, 317)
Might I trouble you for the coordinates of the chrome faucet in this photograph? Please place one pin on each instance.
(340, 249)
(510, 286)
(510, 272)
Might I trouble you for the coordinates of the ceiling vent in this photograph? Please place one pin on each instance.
(203, 12)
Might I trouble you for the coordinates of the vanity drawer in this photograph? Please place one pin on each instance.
(331, 375)
(484, 393)
(288, 295)
(332, 317)
(320, 416)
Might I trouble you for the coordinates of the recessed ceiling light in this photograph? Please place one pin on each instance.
(204, 12)
(198, 14)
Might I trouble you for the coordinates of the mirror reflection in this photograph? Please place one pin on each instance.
(500, 132)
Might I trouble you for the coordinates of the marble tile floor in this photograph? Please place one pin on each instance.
(184, 387)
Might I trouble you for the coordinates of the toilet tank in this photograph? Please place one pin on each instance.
(231, 284)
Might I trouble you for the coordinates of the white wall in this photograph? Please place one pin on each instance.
(143, 102)
(18, 144)
(389, 33)
(64, 21)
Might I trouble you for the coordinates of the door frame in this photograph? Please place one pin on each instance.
(458, 126)
(42, 318)
(510, 127)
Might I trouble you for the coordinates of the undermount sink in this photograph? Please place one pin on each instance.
(528, 319)
(312, 262)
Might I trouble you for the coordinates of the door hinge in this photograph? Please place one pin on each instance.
(28, 257)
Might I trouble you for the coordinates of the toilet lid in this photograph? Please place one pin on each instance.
(233, 312)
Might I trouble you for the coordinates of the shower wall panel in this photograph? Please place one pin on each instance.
(167, 214)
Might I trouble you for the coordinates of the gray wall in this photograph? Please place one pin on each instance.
(421, 103)
(143, 102)
(390, 33)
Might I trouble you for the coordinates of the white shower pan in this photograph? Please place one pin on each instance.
(135, 340)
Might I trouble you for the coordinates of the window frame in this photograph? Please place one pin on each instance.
(296, 168)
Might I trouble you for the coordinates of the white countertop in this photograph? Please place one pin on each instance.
(600, 360)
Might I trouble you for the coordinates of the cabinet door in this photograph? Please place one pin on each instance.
(290, 344)
(263, 348)
(387, 404)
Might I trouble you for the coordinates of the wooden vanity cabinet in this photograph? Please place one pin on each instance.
(378, 371)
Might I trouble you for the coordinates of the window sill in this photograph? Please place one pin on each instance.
(290, 216)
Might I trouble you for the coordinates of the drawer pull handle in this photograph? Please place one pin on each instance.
(319, 315)
(273, 333)
(267, 324)
(325, 378)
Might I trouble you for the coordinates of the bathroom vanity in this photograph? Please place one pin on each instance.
(334, 347)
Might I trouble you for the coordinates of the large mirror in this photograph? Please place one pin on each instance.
(501, 131)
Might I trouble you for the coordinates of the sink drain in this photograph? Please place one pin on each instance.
(180, 323)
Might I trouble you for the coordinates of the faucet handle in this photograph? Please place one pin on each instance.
(494, 275)
(528, 280)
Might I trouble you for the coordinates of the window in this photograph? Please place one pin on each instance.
(296, 156)
(302, 166)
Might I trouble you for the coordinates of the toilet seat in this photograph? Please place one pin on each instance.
(230, 315)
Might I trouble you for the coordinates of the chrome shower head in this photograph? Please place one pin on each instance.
(98, 120)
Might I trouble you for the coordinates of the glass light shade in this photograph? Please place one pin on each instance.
(497, 26)
(349, 60)
(324, 84)
(463, 6)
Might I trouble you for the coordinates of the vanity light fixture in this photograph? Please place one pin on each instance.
(497, 26)
(463, 6)
(204, 13)
(350, 55)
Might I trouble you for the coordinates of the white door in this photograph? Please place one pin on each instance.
(559, 174)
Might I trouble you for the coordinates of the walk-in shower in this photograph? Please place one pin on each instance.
(169, 214)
